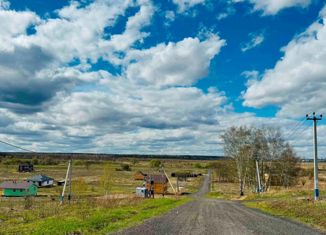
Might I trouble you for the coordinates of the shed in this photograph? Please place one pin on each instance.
(160, 183)
(139, 175)
(140, 192)
(26, 167)
(41, 180)
(18, 189)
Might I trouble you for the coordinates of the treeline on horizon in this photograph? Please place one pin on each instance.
(102, 156)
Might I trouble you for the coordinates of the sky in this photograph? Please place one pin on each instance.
(159, 77)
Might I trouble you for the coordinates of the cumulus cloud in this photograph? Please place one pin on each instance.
(272, 7)
(184, 5)
(297, 82)
(255, 39)
(12, 25)
(34, 66)
(181, 63)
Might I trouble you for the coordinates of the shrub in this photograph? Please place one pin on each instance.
(125, 167)
(155, 163)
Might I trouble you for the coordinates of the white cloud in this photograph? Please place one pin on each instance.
(169, 17)
(297, 82)
(184, 5)
(256, 39)
(229, 10)
(181, 63)
(272, 7)
(4, 4)
(12, 25)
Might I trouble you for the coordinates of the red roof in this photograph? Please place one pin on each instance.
(156, 178)
(15, 185)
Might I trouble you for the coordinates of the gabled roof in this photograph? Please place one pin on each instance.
(39, 178)
(156, 178)
(15, 185)
(140, 172)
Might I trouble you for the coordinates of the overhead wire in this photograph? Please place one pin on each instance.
(16, 146)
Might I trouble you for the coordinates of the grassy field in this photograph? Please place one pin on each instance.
(296, 203)
(103, 198)
(83, 217)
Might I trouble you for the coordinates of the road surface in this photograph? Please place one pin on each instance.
(209, 216)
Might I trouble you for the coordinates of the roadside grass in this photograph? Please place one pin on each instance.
(87, 217)
(308, 212)
(296, 203)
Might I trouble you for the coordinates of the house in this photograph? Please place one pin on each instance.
(26, 167)
(139, 175)
(18, 189)
(160, 183)
(41, 180)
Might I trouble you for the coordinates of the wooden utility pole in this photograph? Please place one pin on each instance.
(314, 118)
(68, 177)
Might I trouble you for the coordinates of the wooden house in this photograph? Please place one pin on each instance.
(25, 167)
(18, 189)
(139, 175)
(41, 180)
(159, 182)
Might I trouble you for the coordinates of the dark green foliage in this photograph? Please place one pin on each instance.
(155, 163)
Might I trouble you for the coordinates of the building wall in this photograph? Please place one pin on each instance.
(47, 183)
(31, 191)
(159, 188)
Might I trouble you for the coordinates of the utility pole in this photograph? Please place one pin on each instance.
(314, 118)
(68, 177)
(70, 180)
(258, 176)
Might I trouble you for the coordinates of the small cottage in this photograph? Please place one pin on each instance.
(139, 175)
(159, 182)
(18, 189)
(41, 180)
(26, 167)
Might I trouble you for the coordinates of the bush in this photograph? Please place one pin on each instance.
(125, 167)
(154, 163)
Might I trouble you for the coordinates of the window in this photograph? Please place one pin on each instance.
(21, 190)
(14, 190)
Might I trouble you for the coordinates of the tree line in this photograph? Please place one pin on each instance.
(264, 148)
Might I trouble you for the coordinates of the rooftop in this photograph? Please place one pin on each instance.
(39, 178)
(15, 185)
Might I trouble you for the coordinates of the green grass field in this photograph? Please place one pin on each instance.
(85, 217)
(96, 208)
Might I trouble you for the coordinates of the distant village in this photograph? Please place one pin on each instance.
(152, 183)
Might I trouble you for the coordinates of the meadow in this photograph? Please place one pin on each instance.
(296, 203)
(103, 197)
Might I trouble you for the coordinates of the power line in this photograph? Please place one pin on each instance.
(288, 132)
(15, 146)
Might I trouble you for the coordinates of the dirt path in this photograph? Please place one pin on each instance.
(209, 216)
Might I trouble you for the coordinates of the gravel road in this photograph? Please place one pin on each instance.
(209, 216)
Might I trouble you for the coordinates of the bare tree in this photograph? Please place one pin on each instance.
(238, 145)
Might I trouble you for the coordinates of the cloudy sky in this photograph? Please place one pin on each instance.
(159, 77)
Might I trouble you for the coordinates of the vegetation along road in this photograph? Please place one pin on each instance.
(211, 216)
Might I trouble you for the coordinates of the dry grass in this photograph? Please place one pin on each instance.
(91, 205)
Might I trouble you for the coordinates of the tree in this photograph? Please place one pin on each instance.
(155, 163)
(238, 144)
(274, 156)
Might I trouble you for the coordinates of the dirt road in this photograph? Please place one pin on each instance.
(209, 216)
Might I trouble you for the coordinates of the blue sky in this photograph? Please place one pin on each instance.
(165, 77)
